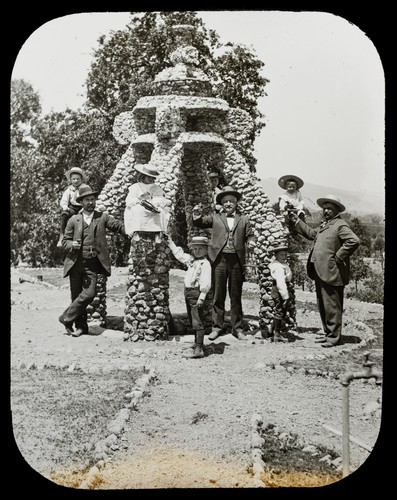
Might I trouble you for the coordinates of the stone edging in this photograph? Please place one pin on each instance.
(115, 429)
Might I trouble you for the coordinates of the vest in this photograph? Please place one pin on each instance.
(229, 247)
(88, 245)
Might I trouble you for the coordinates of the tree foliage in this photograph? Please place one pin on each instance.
(126, 63)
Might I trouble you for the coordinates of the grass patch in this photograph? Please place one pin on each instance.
(287, 465)
(58, 417)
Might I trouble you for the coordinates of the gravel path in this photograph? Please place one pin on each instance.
(192, 428)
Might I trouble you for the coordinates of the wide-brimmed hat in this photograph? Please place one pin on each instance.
(76, 170)
(146, 169)
(331, 198)
(277, 248)
(285, 178)
(213, 174)
(84, 191)
(198, 240)
(227, 190)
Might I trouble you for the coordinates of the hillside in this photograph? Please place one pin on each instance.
(356, 203)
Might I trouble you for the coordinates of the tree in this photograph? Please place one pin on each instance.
(364, 250)
(359, 269)
(25, 108)
(126, 64)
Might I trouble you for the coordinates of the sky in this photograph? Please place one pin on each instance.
(325, 104)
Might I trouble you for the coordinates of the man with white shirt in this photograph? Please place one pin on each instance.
(231, 232)
(86, 256)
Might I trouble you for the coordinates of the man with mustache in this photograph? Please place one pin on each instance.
(328, 264)
(86, 256)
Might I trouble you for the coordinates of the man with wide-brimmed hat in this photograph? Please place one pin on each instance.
(86, 256)
(328, 264)
(231, 232)
(197, 284)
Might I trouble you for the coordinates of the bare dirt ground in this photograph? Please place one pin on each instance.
(192, 429)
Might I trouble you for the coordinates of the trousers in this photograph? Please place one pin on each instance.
(228, 276)
(195, 314)
(83, 280)
(330, 306)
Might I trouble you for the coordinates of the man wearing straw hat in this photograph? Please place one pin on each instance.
(328, 264)
(86, 256)
(231, 233)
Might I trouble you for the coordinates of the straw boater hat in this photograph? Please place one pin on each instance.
(227, 190)
(146, 169)
(85, 190)
(285, 178)
(213, 174)
(198, 240)
(278, 248)
(76, 170)
(331, 198)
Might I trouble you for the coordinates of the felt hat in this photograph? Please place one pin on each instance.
(198, 240)
(146, 169)
(331, 198)
(227, 190)
(278, 248)
(76, 170)
(285, 178)
(84, 191)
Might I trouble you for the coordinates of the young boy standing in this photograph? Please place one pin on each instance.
(282, 275)
(197, 284)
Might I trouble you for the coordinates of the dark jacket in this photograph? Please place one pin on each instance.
(74, 230)
(332, 247)
(242, 233)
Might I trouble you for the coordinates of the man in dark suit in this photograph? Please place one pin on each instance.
(231, 232)
(87, 256)
(328, 264)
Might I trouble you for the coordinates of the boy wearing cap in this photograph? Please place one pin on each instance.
(231, 233)
(281, 273)
(197, 284)
(328, 264)
(76, 176)
(86, 256)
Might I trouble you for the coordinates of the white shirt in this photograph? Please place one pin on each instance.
(296, 199)
(69, 196)
(282, 274)
(87, 218)
(198, 274)
(137, 218)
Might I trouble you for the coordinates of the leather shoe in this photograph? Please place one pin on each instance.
(213, 335)
(321, 340)
(77, 332)
(320, 336)
(240, 336)
(196, 352)
(68, 326)
(328, 344)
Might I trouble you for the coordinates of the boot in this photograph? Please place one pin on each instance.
(197, 351)
(277, 337)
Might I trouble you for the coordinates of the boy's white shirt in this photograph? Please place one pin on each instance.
(198, 273)
(282, 274)
(69, 196)
(296, 199)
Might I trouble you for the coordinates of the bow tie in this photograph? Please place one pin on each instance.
(230, 216)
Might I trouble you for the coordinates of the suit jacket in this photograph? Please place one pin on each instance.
(74, 231)
(333, 244)
(242, 233)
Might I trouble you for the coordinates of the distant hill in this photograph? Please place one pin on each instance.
(355, 202)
